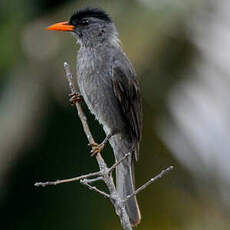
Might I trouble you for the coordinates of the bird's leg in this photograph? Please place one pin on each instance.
(74, 98)
(97, 148)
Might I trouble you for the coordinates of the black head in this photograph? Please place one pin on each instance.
(91, 27)
(82, 17)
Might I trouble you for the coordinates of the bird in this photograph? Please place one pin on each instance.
(109, 86)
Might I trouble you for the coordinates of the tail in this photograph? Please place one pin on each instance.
(125, 183)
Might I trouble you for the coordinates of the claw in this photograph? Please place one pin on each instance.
(74, 98)
(94, 144)
(96, 148)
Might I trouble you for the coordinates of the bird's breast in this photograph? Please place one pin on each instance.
(95, 83)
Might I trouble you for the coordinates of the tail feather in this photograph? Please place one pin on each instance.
(125, 182)
(125, 186)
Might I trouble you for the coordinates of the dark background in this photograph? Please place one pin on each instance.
(180, 50)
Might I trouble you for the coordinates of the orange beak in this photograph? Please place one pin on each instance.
(61, 26)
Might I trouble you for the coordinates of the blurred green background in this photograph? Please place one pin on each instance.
(180, 49)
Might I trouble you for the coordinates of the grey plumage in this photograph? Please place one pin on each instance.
(108, 84)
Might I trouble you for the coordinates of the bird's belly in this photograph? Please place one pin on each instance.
(99, 97)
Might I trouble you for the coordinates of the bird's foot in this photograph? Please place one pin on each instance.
(75, 98)
(96, 148)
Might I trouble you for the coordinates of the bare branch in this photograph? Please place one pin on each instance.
(44, 184)
(85, 182)
(162, 173)
(118, 162)
(69, 78)
(89, 181)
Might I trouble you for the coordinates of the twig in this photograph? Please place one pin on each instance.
(44, 184)
(85, 182)
(73, 179)
(90, 181)
(162, 173)
(69, 78)
(118, 162)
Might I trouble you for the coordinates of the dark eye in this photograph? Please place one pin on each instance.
(84, 22)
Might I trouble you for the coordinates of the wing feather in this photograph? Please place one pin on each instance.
(127, 91)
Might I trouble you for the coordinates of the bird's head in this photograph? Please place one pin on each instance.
(90, 26)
